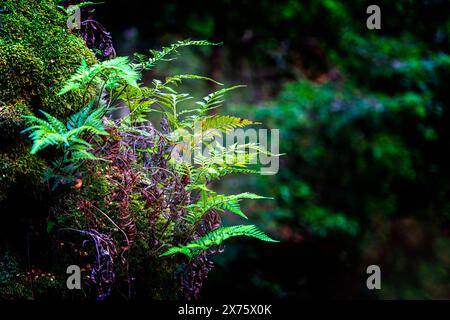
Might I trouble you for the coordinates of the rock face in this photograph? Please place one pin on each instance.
(37, 54)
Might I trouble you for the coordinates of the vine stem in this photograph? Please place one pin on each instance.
(111, 220)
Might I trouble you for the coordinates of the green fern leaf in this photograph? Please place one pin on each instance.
(146, 63)
(214, 100)
(216, 237)
(79, 118)
(55, 123)
(179, 78)
(215, 125)
(220, 202)
(108, 73)
(174, 250)
(80, 76)
(82, 154)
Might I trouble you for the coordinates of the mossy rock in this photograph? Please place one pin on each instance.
(19, 167)
(37, 54)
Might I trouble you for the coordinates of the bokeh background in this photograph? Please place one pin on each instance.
(364, 117)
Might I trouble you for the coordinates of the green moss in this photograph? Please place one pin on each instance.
(19, 167)
(11, 120)
(11, 286)
(21, 73)
(37, 54)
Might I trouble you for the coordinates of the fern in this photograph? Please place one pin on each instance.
(86, 120)
(215, 125)
(140, 101)
(179, 78)
(54, 132)
(214, 100)
(68, 138)
(44, 133)
(116, 70)
(108, 74)
(79, 137)
(147, 63)
(222, 161)
(219, 202)
(216, 237)
(170, 102)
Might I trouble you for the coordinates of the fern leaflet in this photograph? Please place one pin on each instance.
(216, 237)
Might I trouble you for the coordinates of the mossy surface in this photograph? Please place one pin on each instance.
(19, 167)
(37, 54)
(154, 276)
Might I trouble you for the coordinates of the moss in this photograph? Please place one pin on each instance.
(21, 73)
(155, 277)
(11, 121)
(11, 286)
(19, 167)
(37, 54)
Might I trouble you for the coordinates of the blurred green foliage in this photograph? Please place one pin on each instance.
(366, 137)
(369, 136)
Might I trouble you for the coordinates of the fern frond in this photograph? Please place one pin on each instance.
(214, 125)
(183, 169)
(214, 100)
(54, 132)
(37, 123)
(117, 69)
(219, 202)
(179, 78)
(146, 63)
(82, 154)
(55, 123)
(79, 118)
(216, 237)
(108, 73)
(78, 141)
(221, 161)
(86, 120)
(170, 102)
(47, 139)
(79, 77)
(174, 250)
(94, 123)
(45, 133)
